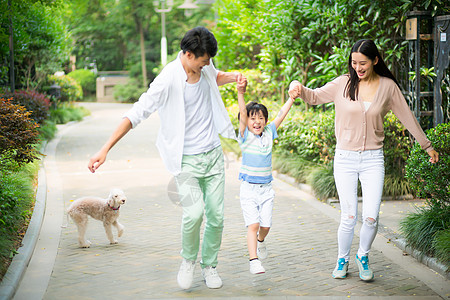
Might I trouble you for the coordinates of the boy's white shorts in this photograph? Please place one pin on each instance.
(257, 203)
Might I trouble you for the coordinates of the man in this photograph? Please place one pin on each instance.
(192, 114)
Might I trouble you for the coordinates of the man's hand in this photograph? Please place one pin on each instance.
(241, 83)
(295, 89)
(227, 77)
(97, 160)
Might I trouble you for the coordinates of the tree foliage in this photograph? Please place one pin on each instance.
(41, 43)
(308, 39)
(108, 32)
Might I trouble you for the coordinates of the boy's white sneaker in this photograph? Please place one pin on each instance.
(186, 274)
(261, 250)
(256, 267)
(212, 278)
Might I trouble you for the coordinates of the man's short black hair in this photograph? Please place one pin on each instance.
(199, 41)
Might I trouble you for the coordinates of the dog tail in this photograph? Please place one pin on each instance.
(67, 221)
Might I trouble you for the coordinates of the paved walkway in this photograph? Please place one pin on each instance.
(302, 244)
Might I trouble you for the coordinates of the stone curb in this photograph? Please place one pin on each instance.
(17, 268)
(395, 238)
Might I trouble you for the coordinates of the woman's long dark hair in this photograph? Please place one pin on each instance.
(369, 49)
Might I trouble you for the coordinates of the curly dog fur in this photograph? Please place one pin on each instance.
(105, 210)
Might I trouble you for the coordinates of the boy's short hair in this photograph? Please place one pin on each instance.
(199, 41)
(254, 108)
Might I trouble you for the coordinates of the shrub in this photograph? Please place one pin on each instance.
(309, 135)
(70, 89)
(87, 80)
(427, 180)
(129, 92)
(421, 228)
(18, 133)
(428, 229)
(397, 145)
(36, 103)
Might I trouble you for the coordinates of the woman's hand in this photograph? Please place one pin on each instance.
(434, 156)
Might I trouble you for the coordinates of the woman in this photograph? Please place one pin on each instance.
(362, 98)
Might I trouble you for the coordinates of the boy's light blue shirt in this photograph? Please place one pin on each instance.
(256, 164)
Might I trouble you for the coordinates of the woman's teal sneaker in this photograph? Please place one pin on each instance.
(365, 272)
(341, 269)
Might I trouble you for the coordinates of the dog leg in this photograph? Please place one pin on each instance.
(109, 234)
(81, 221)
(119, 227)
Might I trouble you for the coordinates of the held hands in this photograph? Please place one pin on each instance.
(295, 89)
(241, 83)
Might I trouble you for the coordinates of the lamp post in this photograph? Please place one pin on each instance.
(163, 7)
(188, 7)
(163, 10)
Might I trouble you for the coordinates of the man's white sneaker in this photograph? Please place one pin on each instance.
(212, 278)
(256, 267)
(186, 274)
(261, 250)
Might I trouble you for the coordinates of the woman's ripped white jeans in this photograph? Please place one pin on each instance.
(367, 167)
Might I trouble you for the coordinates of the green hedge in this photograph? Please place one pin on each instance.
(70, 89)
(431, 181)
(129, 92)
(86, 79)
(428, 229)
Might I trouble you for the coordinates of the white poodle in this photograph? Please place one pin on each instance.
(105, 210)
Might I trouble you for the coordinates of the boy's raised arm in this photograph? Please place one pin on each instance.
(283, 112)
(241, 86)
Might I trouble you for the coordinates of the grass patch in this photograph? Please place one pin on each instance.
(17, 194)
(421, 229)
(47, 130)
(67, 112)
(441, 245)
(292, 165)
(321, 180)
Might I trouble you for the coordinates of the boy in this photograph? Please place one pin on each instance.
(256, 194)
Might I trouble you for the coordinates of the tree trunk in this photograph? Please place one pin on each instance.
(144, 67)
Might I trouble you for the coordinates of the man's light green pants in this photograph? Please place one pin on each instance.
(201, 187)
